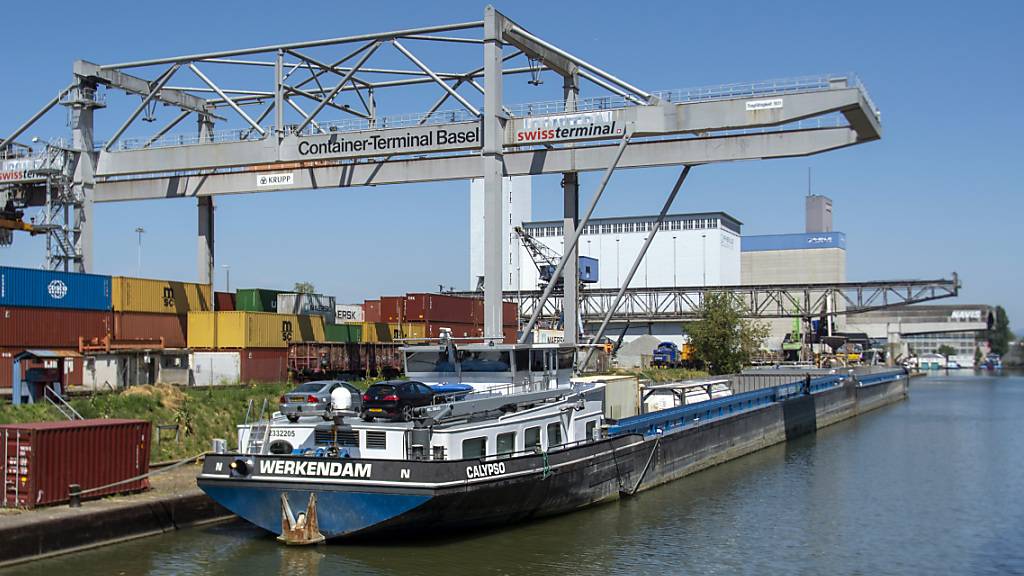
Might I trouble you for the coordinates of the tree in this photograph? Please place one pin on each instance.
(1000, 336)
(946, 351)
(304, 288)
(723, 340)
(978, 356)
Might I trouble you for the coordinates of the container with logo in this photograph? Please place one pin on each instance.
(160, 296)
(256, 300)
(214, 330)
(47, 289)
(43, 458)
(51, 327)
(311, 304)
(346, 313)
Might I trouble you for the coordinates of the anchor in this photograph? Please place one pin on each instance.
(302, 530)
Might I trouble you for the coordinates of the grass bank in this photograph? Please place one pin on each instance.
(659, 375)
(201, 414)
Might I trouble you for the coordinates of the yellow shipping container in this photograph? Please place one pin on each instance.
(407, 330)
(159, 296)
(376, 332)
(252, 329)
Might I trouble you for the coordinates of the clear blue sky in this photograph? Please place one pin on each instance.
(941, 192)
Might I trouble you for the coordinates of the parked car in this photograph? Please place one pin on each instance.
(314, 398)
(395, 399)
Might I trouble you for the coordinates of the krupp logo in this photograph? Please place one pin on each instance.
(57, 289)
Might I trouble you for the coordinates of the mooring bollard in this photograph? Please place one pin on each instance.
(75, 493)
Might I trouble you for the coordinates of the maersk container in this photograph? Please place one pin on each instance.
(47, 289)
(256, 300)
(42, 459)
(311, 304)
(345, 313)
(160, 296)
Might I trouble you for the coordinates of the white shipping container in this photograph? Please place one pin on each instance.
(216, 368)
(312, 304)
(346, 313)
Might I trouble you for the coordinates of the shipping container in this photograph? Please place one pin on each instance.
(371, 311)
(41, 459)
(49, 289)
(160, 296)
(51, 327)
(147, 326)
(407, 330)
(208, 330)
(346, 313)
(307, 304)
(423, 307)
(375, 332)
(73, 368)
(392, 308)
(338, 333)
(224, 301)
(256, 300)
(264, 365)
(216, 368)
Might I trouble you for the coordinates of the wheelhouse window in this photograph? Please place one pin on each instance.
(554, 434)
(506, 443)
(474, 447)
(531, 438)
(434, 361)
(565, 359)
(485, 360)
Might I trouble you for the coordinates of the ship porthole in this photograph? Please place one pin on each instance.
(280, 447)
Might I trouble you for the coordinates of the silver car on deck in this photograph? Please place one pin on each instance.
(314, 399)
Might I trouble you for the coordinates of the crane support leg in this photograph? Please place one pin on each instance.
(204, 256)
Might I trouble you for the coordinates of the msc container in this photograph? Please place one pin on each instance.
(212, 330)
(145, 326)
(224, 301)
(51, 327)
(48, 289)
(311, 304)
(371, 311)
(160, 296)
(345, 313)
(392, 309)
(256, 300)
(41, 459)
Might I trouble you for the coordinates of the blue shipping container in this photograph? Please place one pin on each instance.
(46, 289)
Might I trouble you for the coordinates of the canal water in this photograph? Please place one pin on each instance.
(932, 485)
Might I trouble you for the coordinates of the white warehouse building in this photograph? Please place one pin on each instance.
(690, 250)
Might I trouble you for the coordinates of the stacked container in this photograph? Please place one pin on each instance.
(256, 300)
(146, 309)
(48, 309)
(307, 304)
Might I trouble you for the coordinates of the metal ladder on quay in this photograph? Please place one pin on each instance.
(60, 404)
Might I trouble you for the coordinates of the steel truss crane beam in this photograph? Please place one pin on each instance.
(761, 301)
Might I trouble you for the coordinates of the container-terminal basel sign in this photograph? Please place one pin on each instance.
(452, 137)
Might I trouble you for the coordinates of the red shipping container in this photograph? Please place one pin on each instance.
(73, 368)
(392, 308)
(423, 307)
(509, 313)
(147, 326)
(50, 327)
(41, 459)
(224, 301)
(371, 311)
(263, 365)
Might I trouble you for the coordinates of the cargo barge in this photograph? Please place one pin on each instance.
(528, 444)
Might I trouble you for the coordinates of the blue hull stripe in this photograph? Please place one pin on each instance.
(339, 513)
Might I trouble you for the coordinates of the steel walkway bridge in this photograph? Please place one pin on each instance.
(646, 305)
(311, 114)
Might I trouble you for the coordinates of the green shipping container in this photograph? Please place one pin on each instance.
(256, 300)
(343, 332)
